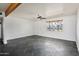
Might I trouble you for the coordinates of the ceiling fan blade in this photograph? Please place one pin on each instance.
(43, 18)
(40, 17)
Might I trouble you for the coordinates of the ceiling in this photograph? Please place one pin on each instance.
(31, 10)
(44, 9)
(7, 8)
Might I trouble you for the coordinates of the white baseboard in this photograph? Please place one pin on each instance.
(56, 38)
(5, 41)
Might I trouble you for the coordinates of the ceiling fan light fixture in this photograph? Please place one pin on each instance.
(40, 17)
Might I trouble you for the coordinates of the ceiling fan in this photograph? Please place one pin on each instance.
(49, 17)
(40, 17)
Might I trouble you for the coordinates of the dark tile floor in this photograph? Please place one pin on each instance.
(39, 46)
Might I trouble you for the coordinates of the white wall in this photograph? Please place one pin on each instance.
(69, 28)
(15, 27)
(77, 41)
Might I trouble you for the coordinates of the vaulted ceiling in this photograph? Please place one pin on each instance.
(8, 7)
(48, 10)
(32, 9)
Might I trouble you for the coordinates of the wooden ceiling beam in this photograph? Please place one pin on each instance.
(11, 8)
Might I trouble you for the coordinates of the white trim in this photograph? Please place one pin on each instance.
(5, 41)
